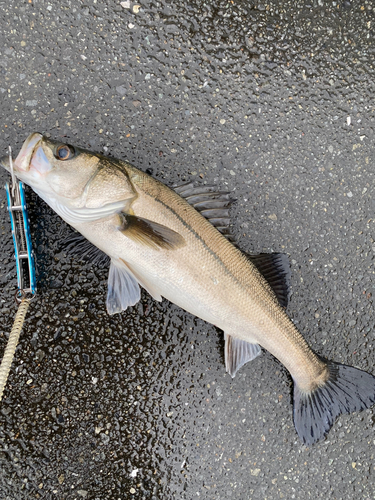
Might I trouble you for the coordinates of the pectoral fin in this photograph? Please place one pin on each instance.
(237, 353)
(150, 233)
(78, 246)
(123, 289)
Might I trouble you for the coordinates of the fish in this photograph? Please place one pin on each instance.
(175, 244)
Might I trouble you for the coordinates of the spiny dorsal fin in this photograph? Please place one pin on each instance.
(275, 269)
(212, 204)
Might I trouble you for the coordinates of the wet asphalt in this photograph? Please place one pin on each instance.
(272, 101)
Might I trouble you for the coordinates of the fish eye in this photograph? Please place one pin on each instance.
(64, 152)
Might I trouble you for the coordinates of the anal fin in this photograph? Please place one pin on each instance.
(237, 353)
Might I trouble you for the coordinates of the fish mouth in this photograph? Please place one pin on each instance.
(31, 163)
(4, 162)
(23, 162)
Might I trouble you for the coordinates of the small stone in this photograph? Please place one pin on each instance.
(121, 90)
(222, 121)
(31, 103)
(272, 217)
(61, 478)
(132, 491)
(131, 25)
(136, 8)
(55, 283)
(349, 194)
(82, 493)
(136, 103)
(125, 5)
(134, 473)
(254, 472)
(104, 438)
(330, 149)
(232, 172)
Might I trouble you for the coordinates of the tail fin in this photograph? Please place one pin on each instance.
(346, 390)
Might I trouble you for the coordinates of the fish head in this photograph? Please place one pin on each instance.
(71, 177)
(54, 167)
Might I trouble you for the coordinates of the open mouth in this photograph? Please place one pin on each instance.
(23, 161)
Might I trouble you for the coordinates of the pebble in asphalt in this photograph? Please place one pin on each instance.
(272, 101)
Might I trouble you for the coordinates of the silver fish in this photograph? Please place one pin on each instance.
(155, 238)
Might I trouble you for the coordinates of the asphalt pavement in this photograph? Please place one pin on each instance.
(271, 101)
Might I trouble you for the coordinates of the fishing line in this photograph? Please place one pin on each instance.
(25, 267)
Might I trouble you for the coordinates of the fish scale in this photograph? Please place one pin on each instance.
(249, 286)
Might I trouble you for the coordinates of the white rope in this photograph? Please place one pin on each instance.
(12, 343)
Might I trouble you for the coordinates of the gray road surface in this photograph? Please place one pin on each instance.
(272, 101)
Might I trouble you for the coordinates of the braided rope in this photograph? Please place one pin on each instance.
(12, 343)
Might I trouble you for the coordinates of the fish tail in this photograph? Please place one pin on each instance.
(346, 390)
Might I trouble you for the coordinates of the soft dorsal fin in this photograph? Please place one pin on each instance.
(212, 204)
(275, 268)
